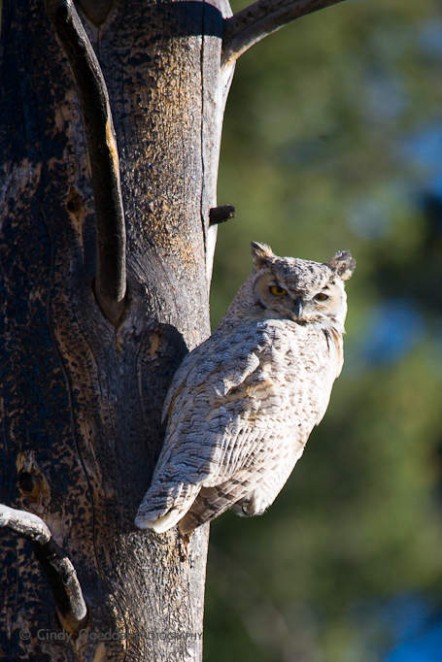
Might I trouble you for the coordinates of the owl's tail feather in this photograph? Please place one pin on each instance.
(210, 503)
(191, 506)
(161, 517)
(161, 524)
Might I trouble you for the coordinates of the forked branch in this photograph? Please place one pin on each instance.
(250, 25)
(110, 281)
(71, 607)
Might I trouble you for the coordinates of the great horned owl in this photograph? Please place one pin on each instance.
(242, 405)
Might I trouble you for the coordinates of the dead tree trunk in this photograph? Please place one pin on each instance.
(81, 386)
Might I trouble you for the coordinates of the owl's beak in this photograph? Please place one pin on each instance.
(298, 307)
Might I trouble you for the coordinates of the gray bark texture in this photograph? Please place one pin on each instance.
(80, 399)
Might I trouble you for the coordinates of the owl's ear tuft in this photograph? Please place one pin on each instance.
(262, 255)
(343, 264)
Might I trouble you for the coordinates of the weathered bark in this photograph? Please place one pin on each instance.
(81, 396)
(66, 589)
(80, 400)
(110, 276)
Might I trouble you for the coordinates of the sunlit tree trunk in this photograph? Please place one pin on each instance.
(80, 398)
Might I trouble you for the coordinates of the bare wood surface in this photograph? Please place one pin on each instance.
(110, 280)
(81, 400)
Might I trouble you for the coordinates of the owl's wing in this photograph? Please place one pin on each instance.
(209, 434)
(209, 361)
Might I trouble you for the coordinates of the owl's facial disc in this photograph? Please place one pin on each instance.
(322, 301)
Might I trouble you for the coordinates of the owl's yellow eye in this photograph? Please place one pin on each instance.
(277, 291)
(321, 297)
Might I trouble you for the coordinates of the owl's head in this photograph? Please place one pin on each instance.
(301, 290)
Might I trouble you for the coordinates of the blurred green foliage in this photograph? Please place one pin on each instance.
(326, 147)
